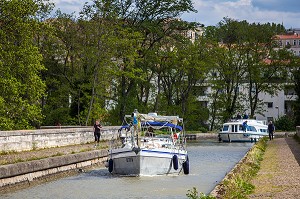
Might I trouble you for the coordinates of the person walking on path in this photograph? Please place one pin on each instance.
(271, 129)
(97, 127)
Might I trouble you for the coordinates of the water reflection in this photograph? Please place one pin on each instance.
(209, 162)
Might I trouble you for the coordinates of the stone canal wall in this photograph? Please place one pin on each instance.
(26, 172)
(24, 140)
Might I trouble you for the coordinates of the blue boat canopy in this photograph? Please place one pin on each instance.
(162, 124)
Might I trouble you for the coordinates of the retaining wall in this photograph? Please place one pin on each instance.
(23, 140)
(29, 171)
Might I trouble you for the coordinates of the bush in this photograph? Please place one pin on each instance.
(194, 194)
(285, 123)
(203, 129)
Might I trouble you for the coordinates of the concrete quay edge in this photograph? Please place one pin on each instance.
(31, 170)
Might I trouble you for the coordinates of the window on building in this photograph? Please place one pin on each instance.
(295, 52)
(295, 42)
(298, 42)
(270, 119)
(214, 74)
(287, 43)
(270, 104)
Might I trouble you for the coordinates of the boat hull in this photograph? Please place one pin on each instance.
(240, 137)
(146, 161)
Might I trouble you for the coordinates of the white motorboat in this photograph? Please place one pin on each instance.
(234, 131)
(155, 146)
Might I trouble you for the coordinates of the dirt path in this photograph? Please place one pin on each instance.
(279, 175)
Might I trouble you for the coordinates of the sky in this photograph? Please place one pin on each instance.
(211, 12)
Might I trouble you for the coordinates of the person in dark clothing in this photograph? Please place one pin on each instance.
(245, 125)
(97, 127)
(271, 129)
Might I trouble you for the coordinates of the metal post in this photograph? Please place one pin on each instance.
(277, 112)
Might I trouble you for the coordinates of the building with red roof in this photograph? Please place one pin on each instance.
(289, 41)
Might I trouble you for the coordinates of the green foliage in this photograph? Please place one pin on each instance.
(193, 194)
(126, 55)
(239, 62)
(20, 66)
(285, 123)
(58, 116)
(296, 75)
(243, 188)
(203, 129)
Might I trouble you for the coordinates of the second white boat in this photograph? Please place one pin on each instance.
(234, 131)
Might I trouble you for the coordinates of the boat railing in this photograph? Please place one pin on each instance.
(249, 120)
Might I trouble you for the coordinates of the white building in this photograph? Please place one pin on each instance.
(289, 41)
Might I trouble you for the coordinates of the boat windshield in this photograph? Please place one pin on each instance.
(225, 127)
(251, 128)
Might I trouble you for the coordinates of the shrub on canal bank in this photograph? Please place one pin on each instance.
(237, 183)
(193, 194)
(285, 123)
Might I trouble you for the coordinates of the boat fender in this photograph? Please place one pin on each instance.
(175, 162)
(175, 136)
(186, 167)
(136, 149)
(110, 165)
(106, 164)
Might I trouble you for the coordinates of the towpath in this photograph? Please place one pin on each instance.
(279, 175)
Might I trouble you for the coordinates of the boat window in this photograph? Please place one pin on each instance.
(234, 128)
(251, 128)
(225, 127)
(263, 130)
(241, 128)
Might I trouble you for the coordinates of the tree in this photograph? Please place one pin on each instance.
(59, 48)
(265, 66)
(228, 68)
(20, 66)
(156, 22)
(246, 60)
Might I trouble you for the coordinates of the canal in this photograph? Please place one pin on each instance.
(209, 163)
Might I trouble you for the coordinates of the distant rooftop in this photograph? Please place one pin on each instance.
(289, 36)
